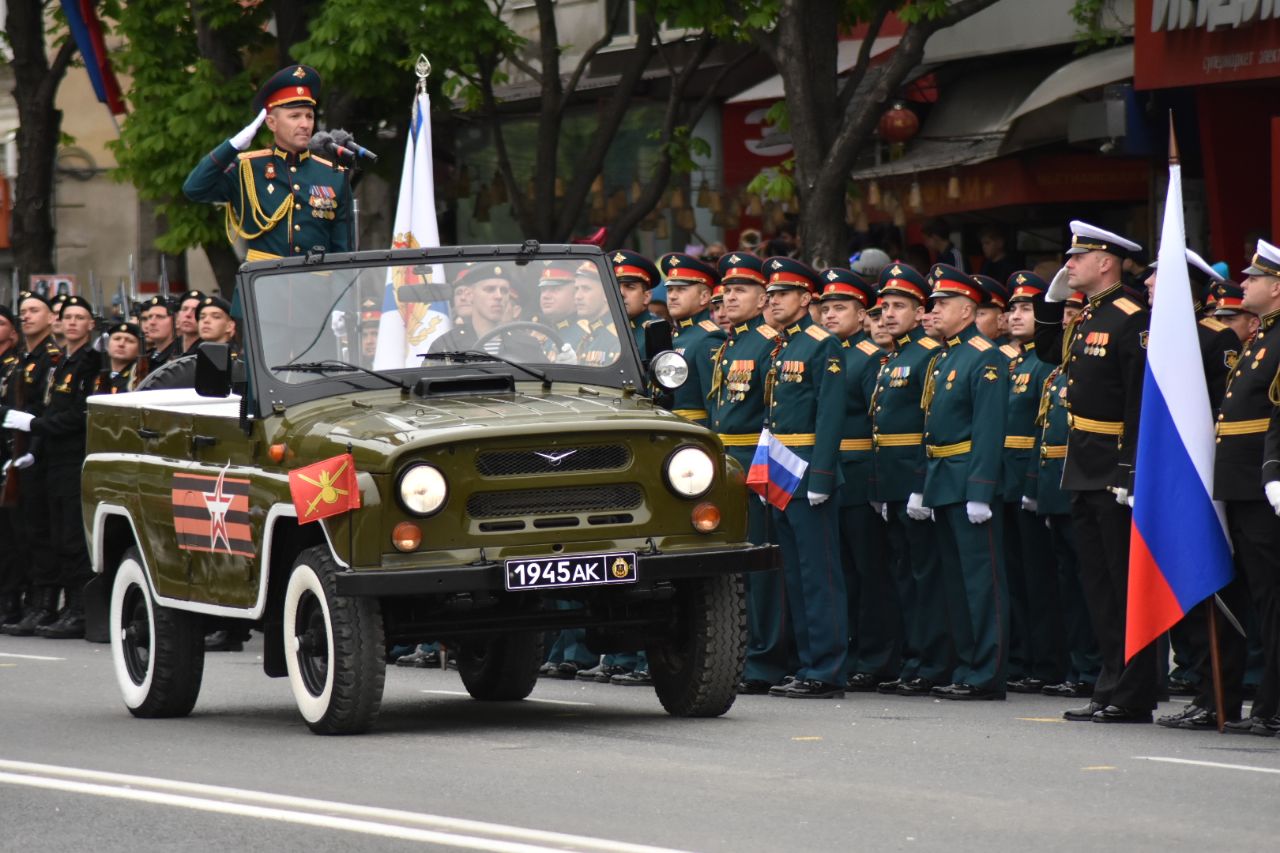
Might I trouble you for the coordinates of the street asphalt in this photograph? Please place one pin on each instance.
(598, 767)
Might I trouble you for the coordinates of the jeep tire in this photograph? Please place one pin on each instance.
(157, 652)
(696, 671)
(333, 648)
(501, 668)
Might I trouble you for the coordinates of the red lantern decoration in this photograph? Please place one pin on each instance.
(898, 124)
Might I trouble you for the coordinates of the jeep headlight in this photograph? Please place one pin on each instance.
(669, 369)
(422, 489)
(690, 471)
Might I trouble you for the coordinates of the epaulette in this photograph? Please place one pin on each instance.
(1009, 349)
(584, 324)
(1213, 325)
(1127, 305)
(613, 329)
(708, 325)
(250, 155)
(769, 332)
(928, 343)
(817, 333)
(868, 348)
(322, 161)
(980, 344)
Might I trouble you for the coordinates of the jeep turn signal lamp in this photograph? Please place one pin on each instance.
(706, 517)
(406, 536)
(277, 452)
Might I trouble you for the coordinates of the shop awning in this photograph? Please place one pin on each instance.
(1088, 72)
(846, 58)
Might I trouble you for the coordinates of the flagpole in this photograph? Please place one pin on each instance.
(1215, 659)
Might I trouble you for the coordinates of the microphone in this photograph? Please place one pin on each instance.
(343, 148)
(346, 142)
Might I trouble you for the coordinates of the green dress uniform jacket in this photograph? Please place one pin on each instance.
(600, 345)
(806, 411)
(282, 204)
(964, 421)
(861, 361)
(897, 419)
(637, 325)
(1106, 361)
(698, 340)
(1044, 474)
(1027, 375)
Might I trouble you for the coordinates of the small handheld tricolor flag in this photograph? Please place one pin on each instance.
(325, 488)
(776, 471)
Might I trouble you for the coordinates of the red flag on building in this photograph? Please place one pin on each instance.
(325, 488)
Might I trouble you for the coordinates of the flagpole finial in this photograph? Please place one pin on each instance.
(423, 70)
(1173, 142)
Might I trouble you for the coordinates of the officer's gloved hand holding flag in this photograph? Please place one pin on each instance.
(776, 471)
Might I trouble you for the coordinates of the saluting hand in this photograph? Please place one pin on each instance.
(242, 139)
(1058, 290)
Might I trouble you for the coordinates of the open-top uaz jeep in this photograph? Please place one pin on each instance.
(507, 488)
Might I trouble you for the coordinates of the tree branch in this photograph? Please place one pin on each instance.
(599, 45)
(57, 70)
(859, 69)
(524, 66)
(519, 202)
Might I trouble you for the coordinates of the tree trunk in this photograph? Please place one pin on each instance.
(36, 83)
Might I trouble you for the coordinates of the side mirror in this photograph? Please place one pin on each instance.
(657, 338)
(213, 369)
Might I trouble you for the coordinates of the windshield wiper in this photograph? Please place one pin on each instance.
(335, 366)
(470, 356)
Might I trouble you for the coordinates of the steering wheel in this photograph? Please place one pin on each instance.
(525, 325)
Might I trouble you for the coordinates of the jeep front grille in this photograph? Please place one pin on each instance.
(553, 460)
(558, 501)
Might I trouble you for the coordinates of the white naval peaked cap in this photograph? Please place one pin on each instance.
(1091, 238)
(1199, 263)
(1266, 260)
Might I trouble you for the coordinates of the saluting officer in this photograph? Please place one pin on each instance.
(1246, 476)
(689, 282)
(875, 623)
(1036, 628)
(965, 397)
(283, 200)
(897, 484)
(1105, 358)
(40, 358)
(636, 276)
(737, 412)
(123, 368)
(804, 410)
(600, 346)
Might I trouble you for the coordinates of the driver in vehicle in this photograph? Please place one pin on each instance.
(490, 287)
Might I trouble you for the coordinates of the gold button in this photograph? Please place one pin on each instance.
(296, 187)
(1228, 393)
(1071, 382)
(1217, 441)
(297, 248)
(293, 168)
(297, 207)
(297, 228)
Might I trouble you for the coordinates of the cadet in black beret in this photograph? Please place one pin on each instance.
(159, 330)
(120, 373)
(215, 321)
(187, 322)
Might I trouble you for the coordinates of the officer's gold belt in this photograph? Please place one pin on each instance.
(256, 255)
(692, 414)
(1053, 451)
(855, 444)
(897, 439)
(942, 451)
(1242, 427)
(1080, 424)
(797, 439)
(740, 439)
(1019, 442)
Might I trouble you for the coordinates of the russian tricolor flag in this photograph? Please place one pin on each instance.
(1179, 552)
(775, 471)
(86, 29)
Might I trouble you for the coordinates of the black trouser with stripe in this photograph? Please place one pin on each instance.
(1255, 533)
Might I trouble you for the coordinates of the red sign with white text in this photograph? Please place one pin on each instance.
(1171, 49)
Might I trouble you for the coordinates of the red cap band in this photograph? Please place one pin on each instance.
(288, 95)
(624, 271)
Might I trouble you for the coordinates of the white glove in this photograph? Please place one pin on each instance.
(1122, 497)
(763, 500)
(21, 421)
(817, 498)
(242, 139)
(1058, 290)
(979, 513)
(916, 508)
(1029, 504)
(26, 460)
(1273, 495)
(567, 355)
(881, 508)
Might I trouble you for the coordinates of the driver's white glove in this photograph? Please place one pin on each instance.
(242, 139)
(567, 355)
(817, 498)
(1058, 290)
(1273, 495)
(978, 512)
(881, 508)
(26, 460)
(21, 421)
(916, 508)
(1030, 504)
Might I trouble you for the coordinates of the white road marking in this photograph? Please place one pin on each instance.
(1216, 764)
(529, 699)
(367, 820)
(28, 657)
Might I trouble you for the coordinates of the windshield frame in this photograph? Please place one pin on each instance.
(270, 392)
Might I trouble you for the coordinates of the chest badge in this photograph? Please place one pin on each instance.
(270, 173)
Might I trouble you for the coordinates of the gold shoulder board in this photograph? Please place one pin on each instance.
(1127, 305)
(928, 343)
(817, 333)
(250, 155)
(1213, 325)
(868, 348)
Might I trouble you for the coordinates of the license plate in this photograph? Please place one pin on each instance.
(576, 570)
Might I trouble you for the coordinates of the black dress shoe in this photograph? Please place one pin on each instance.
(639, 678)
(1026, 685)
(969, 692)
(753, 687)
(606, 674)
(1170, 721)
(590, 673)
(889, 686)
(781, 688)
(862, 682)
(1116, 714)
(1270, 727)
(1205, 721)
(1181, 687)
(1082, 715)
(68, 626)
(810, 689)
(943, 691)
(915, 687)
(222, 641)
(1068, 689)
(1243, 727)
